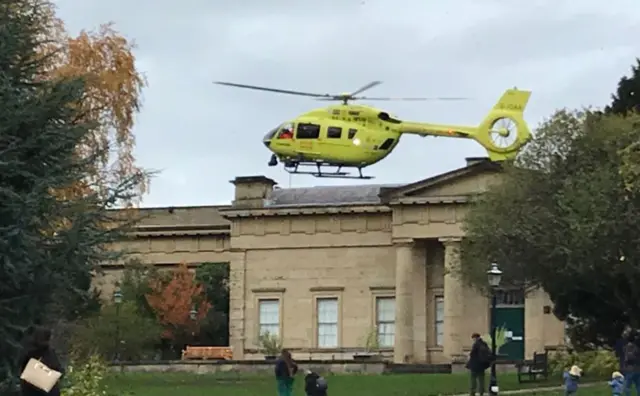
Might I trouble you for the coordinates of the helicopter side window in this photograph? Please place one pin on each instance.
(308, 131)
(334, 132)
(352, 133)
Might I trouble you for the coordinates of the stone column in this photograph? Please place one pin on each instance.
(403, 348)
(237, 301)
(454, 330)
(419, 288)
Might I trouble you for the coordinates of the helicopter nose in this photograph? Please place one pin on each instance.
(267, 143)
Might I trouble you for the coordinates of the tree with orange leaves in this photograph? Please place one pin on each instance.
(113, 87)
(175, 299)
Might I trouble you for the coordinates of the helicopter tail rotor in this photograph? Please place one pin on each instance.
(504, 131)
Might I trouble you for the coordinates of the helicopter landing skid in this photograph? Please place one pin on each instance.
(337, 174)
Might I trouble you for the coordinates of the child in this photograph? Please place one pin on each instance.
(315, 385)
(617, 383)
(571, 379)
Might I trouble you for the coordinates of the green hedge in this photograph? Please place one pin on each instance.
(597, 363)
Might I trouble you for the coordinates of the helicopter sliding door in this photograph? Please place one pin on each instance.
(307, 135)
(334, 141)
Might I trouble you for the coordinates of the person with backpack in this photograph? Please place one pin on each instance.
(632, 364)
(314, 384)
(479, 361)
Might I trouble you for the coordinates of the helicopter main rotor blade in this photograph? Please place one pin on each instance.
(411, 99)
(283, 91)
(365, 87)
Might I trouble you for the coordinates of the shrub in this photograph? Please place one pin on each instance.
(596, 363)
(501, 338)
(122, 330)
(86, 378)
(270, 344)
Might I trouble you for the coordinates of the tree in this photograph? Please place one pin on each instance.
(40, 131)
(563, 220)
(173, 301)
(627, 96)
(112, 96)
(135, 285)
(215, 279)
(626, 101)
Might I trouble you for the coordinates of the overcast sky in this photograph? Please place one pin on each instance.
(199, 136)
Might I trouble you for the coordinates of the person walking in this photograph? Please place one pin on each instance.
(571, 380)
(37, 346)
(479, 361)
(619, 346)
(285, 371)
(632, 364)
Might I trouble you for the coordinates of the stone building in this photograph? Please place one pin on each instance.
(324, 267)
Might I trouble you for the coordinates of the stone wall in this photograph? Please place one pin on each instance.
(250, 367)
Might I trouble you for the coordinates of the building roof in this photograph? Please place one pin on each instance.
(327, 195)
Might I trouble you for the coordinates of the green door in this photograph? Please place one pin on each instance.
(511, 318)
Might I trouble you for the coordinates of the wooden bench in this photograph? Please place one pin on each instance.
(207, 352)
(534, 369)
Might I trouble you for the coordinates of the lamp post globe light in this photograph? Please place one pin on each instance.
(117, 300)
(494, 276)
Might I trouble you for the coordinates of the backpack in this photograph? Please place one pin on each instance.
(484, 355)
(631, 353)
(321, 384)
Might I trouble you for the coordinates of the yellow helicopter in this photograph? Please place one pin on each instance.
(356, 136)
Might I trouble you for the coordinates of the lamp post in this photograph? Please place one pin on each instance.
(117, 300)
(494, 275)
(193, 314)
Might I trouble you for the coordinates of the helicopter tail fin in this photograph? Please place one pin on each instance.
(504, 131)
(513, 100)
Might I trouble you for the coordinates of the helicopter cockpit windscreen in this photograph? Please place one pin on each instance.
(284, 131)
(272, 133)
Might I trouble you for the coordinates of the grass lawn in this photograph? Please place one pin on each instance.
(596, 390)
(229, 384)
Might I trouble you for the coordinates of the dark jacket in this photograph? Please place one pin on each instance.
(47, 356)
(315, 385)
(282, 371)
(476, 361)
(631, 364)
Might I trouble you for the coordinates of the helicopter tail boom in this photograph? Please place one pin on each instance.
(502, 133)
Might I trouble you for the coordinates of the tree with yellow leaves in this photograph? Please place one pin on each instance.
(113, 87)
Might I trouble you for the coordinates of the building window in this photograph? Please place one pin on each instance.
(327, 311)
(510, 297)
(439, 321)
(386, 321)
(269, 317)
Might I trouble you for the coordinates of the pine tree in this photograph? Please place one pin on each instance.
(49, 244)
(627, 96)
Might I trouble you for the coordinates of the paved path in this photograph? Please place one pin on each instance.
(544, 389)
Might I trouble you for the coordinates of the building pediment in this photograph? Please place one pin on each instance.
(455, 186)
